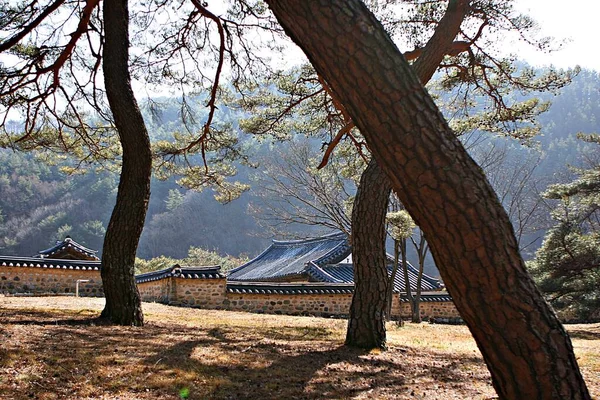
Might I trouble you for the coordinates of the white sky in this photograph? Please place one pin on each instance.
(575, 21)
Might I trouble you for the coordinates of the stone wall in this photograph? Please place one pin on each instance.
(272, 298)
(429, 309)
(326, 305)
(290, 304)
(201, 293)
(37, 280)
(158, 291)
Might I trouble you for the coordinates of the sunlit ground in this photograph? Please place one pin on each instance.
(51, 349)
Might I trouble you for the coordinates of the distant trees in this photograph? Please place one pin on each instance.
(402, 227)
(567, 266)
(293, 194)
(38, 199)
(201, 221)
(196, 256)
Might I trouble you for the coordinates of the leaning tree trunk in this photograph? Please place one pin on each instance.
(525, 347)
(123, 304)
(366, 325)
(425, 66)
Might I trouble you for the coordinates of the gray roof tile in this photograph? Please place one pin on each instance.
(289, 258)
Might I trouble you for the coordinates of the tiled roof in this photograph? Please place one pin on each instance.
(288, 288)
(343, 272)
(315, 288)
(72, 248)
(439, 297)
(286, 259)
(33, 262)
(177, 271)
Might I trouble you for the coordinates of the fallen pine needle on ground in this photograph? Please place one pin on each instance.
(54, 348)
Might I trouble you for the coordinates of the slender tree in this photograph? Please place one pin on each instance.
(524, 345)
(41, 83)
(52, 80)
(123, 304)
(421, 248)
(401, 230)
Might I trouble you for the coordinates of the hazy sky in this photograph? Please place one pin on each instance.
(576, 21)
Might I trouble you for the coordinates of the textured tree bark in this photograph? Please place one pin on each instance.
(366, 325)
(367, 269)
(123, 304)
(527, 350)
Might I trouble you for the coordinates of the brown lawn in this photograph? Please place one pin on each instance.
(52, 348)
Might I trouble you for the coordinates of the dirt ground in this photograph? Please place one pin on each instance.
(53, 348)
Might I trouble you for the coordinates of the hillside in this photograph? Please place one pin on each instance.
(39, 205)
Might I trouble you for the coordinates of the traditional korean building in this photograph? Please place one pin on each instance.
(326, 259)
(54, 270)
(69, 249)
(301, 277)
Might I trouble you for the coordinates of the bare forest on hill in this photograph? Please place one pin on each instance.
(41, 204)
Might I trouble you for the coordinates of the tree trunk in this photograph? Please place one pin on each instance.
(391, 279)
(425, 67)
(407, 288)
(366, 325)
(123, 304)
(527, 350)
(421, 249)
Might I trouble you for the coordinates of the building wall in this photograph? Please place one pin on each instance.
(429, 309)
(292, 304)
(201, 293)
(158, 291)
(49, 280)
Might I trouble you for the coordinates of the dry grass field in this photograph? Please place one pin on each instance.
(52, 348)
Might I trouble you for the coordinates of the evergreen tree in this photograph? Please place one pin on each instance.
(567, 265)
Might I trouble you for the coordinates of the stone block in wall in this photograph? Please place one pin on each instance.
(37, 280)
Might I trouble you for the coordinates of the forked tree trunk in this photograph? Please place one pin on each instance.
(366, 325)
(391, 280)
(407, 288)
(527, 350)
(123, 304)
(421, 249)
(425, 67)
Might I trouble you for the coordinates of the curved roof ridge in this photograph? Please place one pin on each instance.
(334, 235)
(318, 273)
(66, 243)
(11, 261)
(337, 254)
(158, 272)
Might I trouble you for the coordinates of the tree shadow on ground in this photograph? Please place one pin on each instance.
(54, 355)
(246, 368)
(584, 334)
